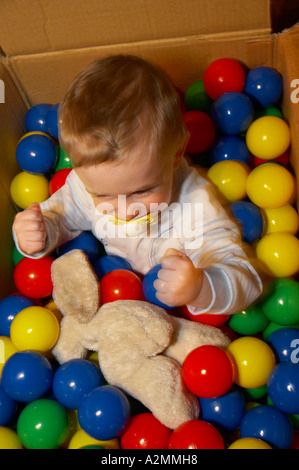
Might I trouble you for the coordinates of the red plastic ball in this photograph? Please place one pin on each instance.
(202, 131)
(295, 443)
(207, 318)
(120, 284)
(58, 179)
(282, 159)
(145, 432)
(208, 372)
(32, 277)
(222, 76)
(229, 332)
(196, 434)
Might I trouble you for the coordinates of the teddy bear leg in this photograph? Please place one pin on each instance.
(189, 335)
(158, 384)
(168, 397)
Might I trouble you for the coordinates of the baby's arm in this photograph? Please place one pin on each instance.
(215, 277)
(42, 227)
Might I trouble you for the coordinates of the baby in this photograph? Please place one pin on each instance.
(121, 124)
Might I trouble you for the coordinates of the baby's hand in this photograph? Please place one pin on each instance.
(179, 281)
(30, 229)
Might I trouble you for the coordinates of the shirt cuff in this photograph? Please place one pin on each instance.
(221, 293)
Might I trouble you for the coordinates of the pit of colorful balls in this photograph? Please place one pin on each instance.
(249, 393)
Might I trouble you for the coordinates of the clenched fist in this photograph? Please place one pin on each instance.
(180, 282)
(30, 229)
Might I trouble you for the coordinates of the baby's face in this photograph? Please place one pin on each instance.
(140, 183)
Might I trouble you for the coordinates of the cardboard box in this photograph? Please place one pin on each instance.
(44, 44)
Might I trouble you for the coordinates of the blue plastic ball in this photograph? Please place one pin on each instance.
(85, 242)
(74, 380)
(229, 147)
(36, 118)
(232, 113)
(149, 291)
(108, 263)
(284, 342)
(224, 412)
(104, 413)
(36, 153)
(264, 85)
(8, 407)
(26, 376)
(52, 121)
(9, 308)
(283, 387)
(269, 424)
(250, 218)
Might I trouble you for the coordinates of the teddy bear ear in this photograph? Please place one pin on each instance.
(75, 286)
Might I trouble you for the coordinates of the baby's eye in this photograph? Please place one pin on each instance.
(142, 192)
(100, 196)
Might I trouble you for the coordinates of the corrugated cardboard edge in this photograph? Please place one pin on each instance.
(286, 60)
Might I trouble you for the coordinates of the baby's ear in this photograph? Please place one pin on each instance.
(75, 286)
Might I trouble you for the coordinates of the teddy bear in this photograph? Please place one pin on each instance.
(141, 347)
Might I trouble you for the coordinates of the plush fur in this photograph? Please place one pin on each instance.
(140, 346)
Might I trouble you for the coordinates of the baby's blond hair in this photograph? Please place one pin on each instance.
(115, 105)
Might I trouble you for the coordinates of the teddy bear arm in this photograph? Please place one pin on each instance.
(69, 345)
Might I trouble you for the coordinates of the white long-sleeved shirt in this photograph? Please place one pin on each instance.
(195, 223)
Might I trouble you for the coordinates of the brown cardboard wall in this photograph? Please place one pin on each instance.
(45, 77)
(12, 115)
(45, 26)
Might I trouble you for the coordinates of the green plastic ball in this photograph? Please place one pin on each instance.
(250, 321)
(92, 447)
(269, 111)
(196, 98)
(43, 424)
(255, 393)
(281, 302)
(63, 160)
(16, 256)
(272, 326)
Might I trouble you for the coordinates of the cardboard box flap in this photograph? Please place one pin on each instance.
(61, 24)
(45, 77)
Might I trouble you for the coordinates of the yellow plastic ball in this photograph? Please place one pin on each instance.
(278, 254)
(7, 349)
(254, 361)
(94, 358)
(36, 133)
(26, 188)
(270, 185)
(82, 439)
(35, 328)
(281, 219)
(268, 137)
(230, 177)
(9, 439)
(249, 443)
(54, 309)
